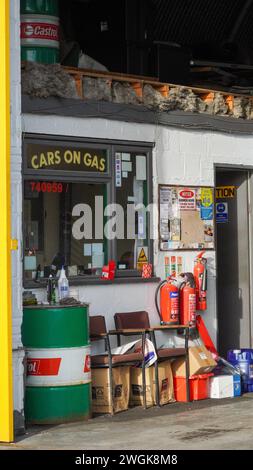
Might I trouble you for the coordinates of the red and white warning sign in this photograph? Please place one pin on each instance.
(55, 367)
(187, 199)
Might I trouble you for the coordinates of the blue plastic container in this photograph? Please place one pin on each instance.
(237, 385)
(246, 388)
(243, 358)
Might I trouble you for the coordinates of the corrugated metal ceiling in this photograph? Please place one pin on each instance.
(189, 22)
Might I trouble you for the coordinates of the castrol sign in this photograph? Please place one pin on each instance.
(56, 367)
(187, 199)
(39, 31)
(43, 366)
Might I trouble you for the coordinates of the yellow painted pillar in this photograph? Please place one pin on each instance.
(6, 396)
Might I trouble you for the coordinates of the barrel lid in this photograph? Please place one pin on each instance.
(53, 307)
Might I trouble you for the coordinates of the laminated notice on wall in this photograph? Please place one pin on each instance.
(206, 209)
(141, 173)
(186, 217)
(142, 256)
(173, 265)
(118, 181)
(187, 199)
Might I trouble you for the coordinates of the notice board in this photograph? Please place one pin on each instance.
(186, 217)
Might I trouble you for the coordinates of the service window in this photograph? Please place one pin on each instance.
(59, 226)
(85, 203)
(131, 191)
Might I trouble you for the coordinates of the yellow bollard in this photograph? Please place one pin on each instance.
(6, 394)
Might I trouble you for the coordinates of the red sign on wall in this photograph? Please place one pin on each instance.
(187, 199)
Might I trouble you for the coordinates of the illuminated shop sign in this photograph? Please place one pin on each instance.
(67, 158)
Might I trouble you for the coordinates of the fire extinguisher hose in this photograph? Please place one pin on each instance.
(156, 297)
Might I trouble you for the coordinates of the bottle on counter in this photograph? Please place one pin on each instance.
(49, 289)
(53, 296)
(63, 285)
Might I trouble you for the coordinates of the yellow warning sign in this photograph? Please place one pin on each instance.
(142, 257)
(223, 192)
(206, 196)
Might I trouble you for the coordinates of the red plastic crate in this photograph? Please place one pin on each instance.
(199, 387)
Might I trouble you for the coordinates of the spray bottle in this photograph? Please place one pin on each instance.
(63, 285)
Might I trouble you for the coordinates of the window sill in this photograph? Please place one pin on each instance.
(78, 281)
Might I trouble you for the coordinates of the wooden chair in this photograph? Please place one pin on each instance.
(124, 322)
(99, 332)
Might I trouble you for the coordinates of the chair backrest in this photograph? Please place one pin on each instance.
(128, 320)
(97, 326)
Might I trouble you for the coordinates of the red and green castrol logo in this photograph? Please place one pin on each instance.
(44, 31)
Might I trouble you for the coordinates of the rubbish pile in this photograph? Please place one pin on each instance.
(44, 80)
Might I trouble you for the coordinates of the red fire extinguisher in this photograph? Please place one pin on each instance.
(169, 301)
(188, 300)
(200, 276)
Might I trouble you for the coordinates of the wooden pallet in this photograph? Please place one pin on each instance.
(138, 83)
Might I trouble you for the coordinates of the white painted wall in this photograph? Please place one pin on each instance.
(16, 213)
(184, 157)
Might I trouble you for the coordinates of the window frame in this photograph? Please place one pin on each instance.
(131, 148)
(108, 178)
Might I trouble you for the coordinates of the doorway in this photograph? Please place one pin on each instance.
(233, 228)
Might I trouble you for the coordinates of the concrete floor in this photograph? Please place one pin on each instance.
(207, 424)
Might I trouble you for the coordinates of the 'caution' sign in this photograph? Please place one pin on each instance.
(223, 192)
(142, 256)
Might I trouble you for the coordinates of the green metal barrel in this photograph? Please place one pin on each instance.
(58, 378)
(40, 40)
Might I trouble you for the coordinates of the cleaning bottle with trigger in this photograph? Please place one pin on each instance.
(63, 285)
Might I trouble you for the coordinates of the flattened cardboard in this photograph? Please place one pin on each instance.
(166, 389)
(200, 360)
(101, 399)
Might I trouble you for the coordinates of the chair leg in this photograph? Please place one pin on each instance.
(153, 339)
(111, 389)
(144, 386)
(157, 384)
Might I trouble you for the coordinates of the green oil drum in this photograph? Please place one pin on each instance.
(40, 40)
(58, 378)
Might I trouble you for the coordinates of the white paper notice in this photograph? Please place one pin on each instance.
(187, 199)
(97, 249)
(141, 172)
(98, 261)
(126, 166)
(118, 181)
(164, 211)
(87, 249)
(30, 263)
(126, 157)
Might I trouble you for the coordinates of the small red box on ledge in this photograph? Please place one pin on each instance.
(108, 271)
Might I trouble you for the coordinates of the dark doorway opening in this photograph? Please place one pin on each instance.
(233, 260)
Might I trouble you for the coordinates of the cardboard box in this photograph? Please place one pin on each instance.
(166, 390)
(221, 386)
(200, 361)
(101, 398)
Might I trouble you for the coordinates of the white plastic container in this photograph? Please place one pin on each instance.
(221, 386)
(63, 285)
